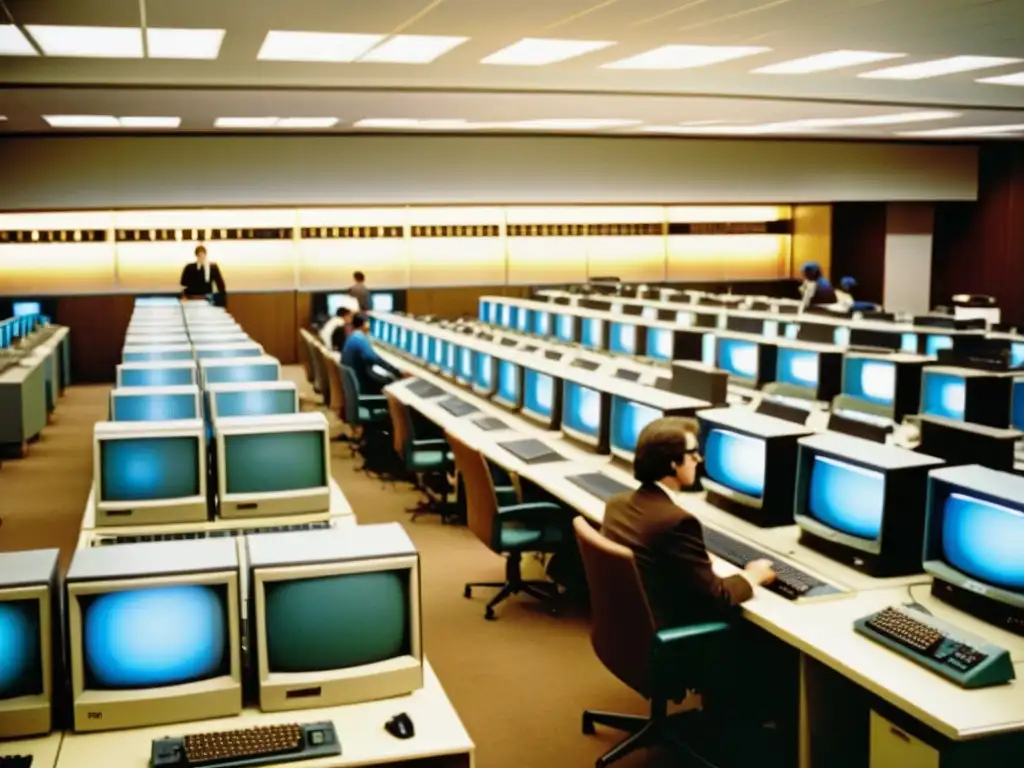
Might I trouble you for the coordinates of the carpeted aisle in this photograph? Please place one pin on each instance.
(519, 683)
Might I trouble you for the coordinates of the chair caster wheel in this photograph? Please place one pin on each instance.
(588, 725)
(467, 593)
(489, 615)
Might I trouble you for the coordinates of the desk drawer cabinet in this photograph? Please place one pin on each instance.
(892, 747)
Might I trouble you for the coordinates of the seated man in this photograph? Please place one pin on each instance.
(334, 332)
(372, 371)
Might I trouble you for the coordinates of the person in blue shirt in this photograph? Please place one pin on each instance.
(359, 355)
(816, 288)
(845, 297)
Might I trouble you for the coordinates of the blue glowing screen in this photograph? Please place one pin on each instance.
(984, 540)
(1017, 354)
(484, 312)
(846, 497)
(798, 367)
(1017, 414)
(156, 377)
(492, 313)
(448, 361)
(144, 638)
(871, 380)
(247, 351)
(841, 336)
(523, 320)
(162, 407)
(539, 393)
(541, 322)
(707, 349)
(735, 461)
(623, 338)
(934, 343)
(581, 411)
(565, 328)
(508, 382)
(908, 342)
(22, 308)
(592, 334)
(21, 673)
(465, 371)
(649, 313)
(255, 402)
(738, 357)
(944, 394)
(484, 372)
(234, 374)
(628, 420)
(792, 331)
(382, 302)
(149, 468)
(659, 343)
(436, 351)
(771, 329)
(156, 355)
(507, 314)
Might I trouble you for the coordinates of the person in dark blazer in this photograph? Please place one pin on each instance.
(199, 277)
(666, 540)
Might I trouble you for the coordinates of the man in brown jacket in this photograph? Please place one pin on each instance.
(666, 540)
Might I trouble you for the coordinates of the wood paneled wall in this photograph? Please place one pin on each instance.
(451, 303)
(979, 247)
(858, 247)
(270, 319)
(812, 237)
(98, 325)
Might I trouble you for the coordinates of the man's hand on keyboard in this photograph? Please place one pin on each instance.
(760, 571)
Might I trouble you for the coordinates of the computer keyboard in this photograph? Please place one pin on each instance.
(489, 424)
(15, 761)
(965, 659)
(790, 582)
(261, 745)
(104, 540)
(423, 388)
(598, 484)
(532, 451)
(457, 407)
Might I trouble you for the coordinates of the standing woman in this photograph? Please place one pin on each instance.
(199, 277)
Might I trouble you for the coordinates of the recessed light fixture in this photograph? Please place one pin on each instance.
(412, 49)
(89, 42)
(1015, 79)
(284, 45)
(890, 119)
(14, 43)
(972, 130)
(149, 122)
(719, 130)
(82, 121)
(536, 51)
(938, 67)
(411, 123)
(568, 124)
(306, 122)
(168, 43)
(245, 122)
(685, 56)
(824, 62)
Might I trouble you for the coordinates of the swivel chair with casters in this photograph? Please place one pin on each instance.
(659, 665)
(510, 530)
(367, 415)
(423, 458)
(320, 383)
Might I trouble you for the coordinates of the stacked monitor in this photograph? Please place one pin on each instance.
(965, 394)
(884, 385)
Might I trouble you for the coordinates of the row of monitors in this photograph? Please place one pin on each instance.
(15, 329)
(150, 633)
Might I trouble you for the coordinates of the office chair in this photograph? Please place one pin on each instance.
(508, 530)
(659, 665)
(337, 389)
(320, 384)
(421, 457)
(306, 356)
(366, 414)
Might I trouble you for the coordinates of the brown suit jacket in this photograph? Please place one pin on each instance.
(668, 544)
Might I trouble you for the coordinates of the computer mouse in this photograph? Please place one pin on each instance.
(400, 726)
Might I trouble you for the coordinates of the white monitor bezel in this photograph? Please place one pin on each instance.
(31, 715)
(180, 389)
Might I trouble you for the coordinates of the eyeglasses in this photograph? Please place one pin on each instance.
(695, 452)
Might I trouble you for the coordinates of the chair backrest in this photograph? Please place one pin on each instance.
(350, 386)
(320, 381)
(337, 395)
(399, 432)
(481, 502)
(305, 354)
(622, 626)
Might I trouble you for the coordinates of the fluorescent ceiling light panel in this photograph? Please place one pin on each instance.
(972, 130)
(150, 122)
(167, 43)
(1016, 79)
(685, 56)
(14, 43)
(891, 119)
(306, 122)
(412, 49)
(938, 67)
(245, 122)
(722, 130)
(337, 47)
(405, 122)
(88, 42)
(824, 62)
(569, 124)
(82, 121)
(536, 52)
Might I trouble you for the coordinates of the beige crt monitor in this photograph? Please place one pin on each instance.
(252, 398)
(273, 465)
(334, 616)
(153, 633)
(149, 472)
(157, 374)
(30, 625)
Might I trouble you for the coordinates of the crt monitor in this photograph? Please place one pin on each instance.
(592, 332)
(382, 301)
(449, 355)
(811, 371)
(750, 463)
(542, 398)
(149, 472)
(822, 333)
(253, 398)
(238, 369)
(748, 360)
(273, 465)
(935, 342)
(1017, 403)
(465, 370)
(484, 310)
(334, 616)
(171, 374)
(541, 322)
(153, 353)
(155, 403)
(964, 394)
(959, 443)
(566, 327)
(524, 321)
(485, 374)
(22, 308)
(205, 351)
(883, 385)
(1017, 354)
(152, 339)
(510, 385)
(628, 418)
(435, 352)
(508, 315)
(152, 633)
(585, 413)
(336, 301)
(862, 503)
(625, 338)
(30, 639)
(973, 543)
(660, 343)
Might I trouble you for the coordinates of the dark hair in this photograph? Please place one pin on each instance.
(661, 444)
(200, 249)
(359, 276)
(343, 312)
(358, 322)
(811, 270)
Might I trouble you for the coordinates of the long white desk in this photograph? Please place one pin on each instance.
(441, 739)
(43, 750)
(821, 630)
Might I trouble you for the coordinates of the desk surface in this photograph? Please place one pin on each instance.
(360, 727)
(43, 750)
